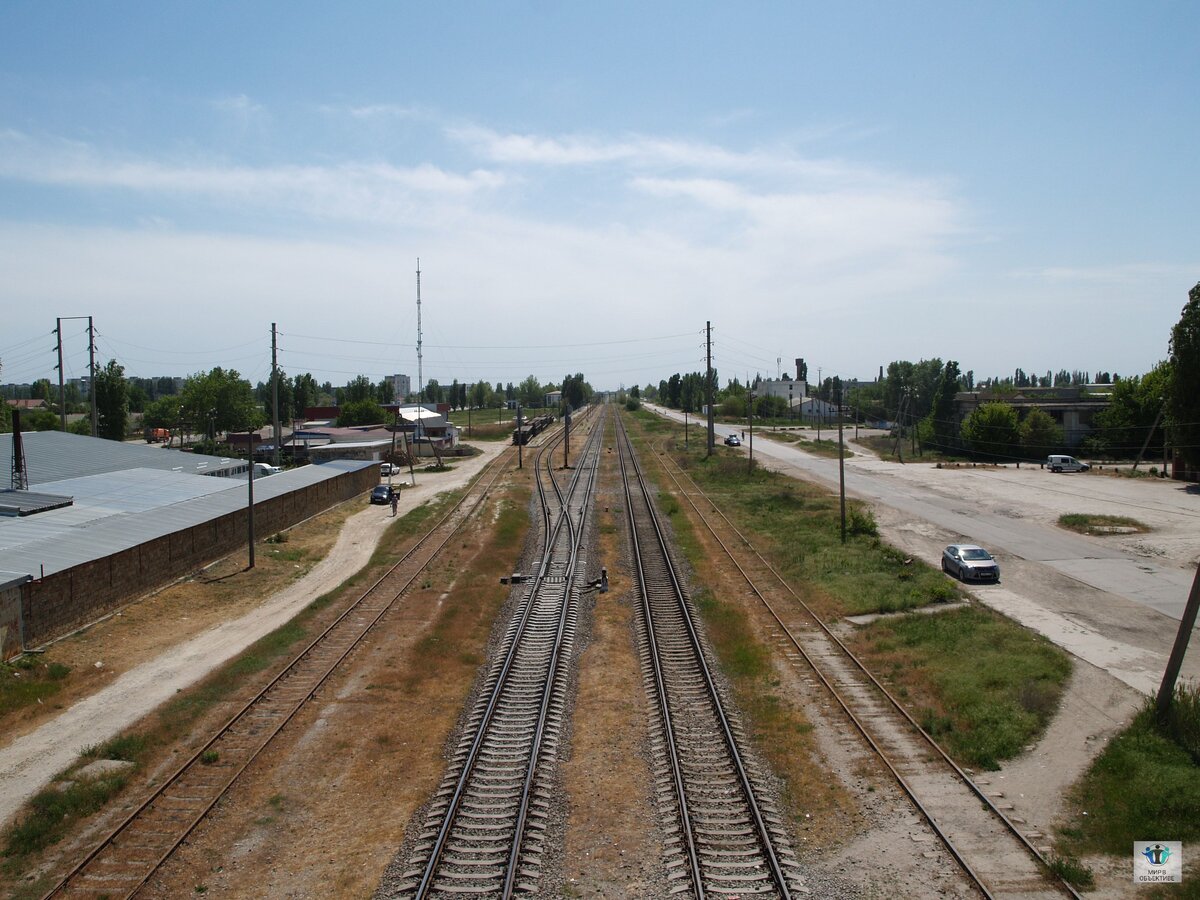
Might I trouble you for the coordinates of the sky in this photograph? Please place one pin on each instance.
(587, 185)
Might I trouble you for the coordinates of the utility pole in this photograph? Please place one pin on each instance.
(250, 495)
(912, 419)
(420, 376)
(92, 376)
(842, 466)
(62, 386)
(1150, 434)
(274, 395)
(1166, 690)
(520, 439)
(820, 415)
(708, 387)
(750, 421)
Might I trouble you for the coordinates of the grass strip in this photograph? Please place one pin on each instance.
(985, 686)
(28, 680)
(1096, 523)
(1145, 785)
(980, 685)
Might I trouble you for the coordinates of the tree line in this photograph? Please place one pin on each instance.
(221, 401)
(1155, 409)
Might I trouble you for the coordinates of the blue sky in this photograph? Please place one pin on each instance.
(1007, 184)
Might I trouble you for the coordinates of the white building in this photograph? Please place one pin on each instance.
(794, 391)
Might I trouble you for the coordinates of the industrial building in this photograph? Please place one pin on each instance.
(103, 522)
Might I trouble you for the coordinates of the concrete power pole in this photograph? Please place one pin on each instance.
(92, 376)
(62, 385)
(708, 386)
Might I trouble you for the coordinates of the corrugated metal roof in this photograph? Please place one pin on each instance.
(26, 503)
(119, 510)
(55, 455)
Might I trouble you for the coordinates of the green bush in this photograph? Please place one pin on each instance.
(1183, 720)
(861, 521)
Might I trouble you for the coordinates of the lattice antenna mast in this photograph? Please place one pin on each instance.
(420, 379)
(20, 479)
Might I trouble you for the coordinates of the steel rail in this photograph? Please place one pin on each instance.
(575, 535)
(425, 885)
(862, 728)
(109, 840)
(760, 824)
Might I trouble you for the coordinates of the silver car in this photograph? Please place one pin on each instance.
(968, 562)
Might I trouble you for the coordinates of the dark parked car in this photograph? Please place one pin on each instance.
(970, 563)
(382, 493)
(733, 441)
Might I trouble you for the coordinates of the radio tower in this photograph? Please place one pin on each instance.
(420, 380)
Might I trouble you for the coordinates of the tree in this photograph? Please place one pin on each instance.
(165, 412)
(991, 432)
(1040, 434)
(940, 428)
(770, 407)
(359, 389)
(1120, 429)
(1183, 389)
(305, 393)
(530, 393)
(385, 391)
(361, 412)
(41, 420)
(112, 402)
(219, 401)
(577, 392)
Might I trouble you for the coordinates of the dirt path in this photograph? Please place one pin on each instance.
(30, 761)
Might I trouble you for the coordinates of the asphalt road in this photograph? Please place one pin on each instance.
(1116, 608)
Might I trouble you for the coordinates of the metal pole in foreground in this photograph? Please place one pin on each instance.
(519, 438)
(1167, 690)
(250, 502)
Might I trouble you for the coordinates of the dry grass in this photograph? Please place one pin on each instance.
(223, 590)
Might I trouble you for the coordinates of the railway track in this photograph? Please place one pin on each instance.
(126, 858)
(485, 830)
(726, 839)
(998, 858)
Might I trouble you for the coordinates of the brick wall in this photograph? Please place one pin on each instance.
(10, 621)
(59, 603)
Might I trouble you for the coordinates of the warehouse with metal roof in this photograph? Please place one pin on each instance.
(103, 527)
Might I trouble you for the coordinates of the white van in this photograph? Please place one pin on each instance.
(1057, 463)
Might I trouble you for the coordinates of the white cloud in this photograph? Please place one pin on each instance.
(368, 191)
(539, 240)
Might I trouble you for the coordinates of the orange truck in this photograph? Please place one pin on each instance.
(157, 435)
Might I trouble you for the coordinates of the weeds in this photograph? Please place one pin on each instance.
(1072, 871)
(984, 687)
(26, 680)
(53, 812)
(1142, 784)
(1183, 720)
(1095, 523)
